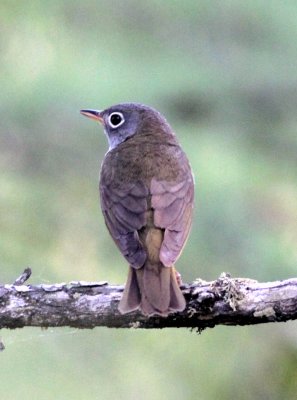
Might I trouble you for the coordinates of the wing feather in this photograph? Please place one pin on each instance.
(124, 209)
(173, 208)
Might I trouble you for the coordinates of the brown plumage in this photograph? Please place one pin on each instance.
(146, 190)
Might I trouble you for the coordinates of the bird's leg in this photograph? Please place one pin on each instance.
(178, 277)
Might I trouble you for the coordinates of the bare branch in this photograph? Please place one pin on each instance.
(23, 277)
(225, 301)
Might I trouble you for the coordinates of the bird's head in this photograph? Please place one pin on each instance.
(122, 121)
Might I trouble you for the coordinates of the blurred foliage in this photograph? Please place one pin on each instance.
(224, 74)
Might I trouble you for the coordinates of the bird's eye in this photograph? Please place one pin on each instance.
(116, 119)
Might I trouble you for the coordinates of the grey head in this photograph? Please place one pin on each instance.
(122, 121)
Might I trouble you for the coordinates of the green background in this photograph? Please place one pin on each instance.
(224, 73)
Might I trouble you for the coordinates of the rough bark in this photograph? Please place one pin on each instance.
(226, 301)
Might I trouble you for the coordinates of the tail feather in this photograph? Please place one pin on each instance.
(156, 287)
(131, 297)
(153, 289)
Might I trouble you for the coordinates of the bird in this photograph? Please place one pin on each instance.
(147, 195)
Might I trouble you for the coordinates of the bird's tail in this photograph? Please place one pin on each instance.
(153, 289)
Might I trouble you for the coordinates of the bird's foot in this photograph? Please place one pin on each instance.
(178, 278)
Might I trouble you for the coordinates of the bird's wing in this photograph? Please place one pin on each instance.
(124, 208)
(173, 208)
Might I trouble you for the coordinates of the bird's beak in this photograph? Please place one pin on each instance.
(94, 114)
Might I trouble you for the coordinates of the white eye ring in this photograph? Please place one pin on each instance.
(118, 114)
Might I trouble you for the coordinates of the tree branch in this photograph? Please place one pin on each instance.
(226, 301)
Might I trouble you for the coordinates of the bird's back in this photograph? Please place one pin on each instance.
(145, 157)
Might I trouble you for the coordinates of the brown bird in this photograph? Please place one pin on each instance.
(146, 191)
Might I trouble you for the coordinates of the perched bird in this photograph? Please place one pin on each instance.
(146, 191)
